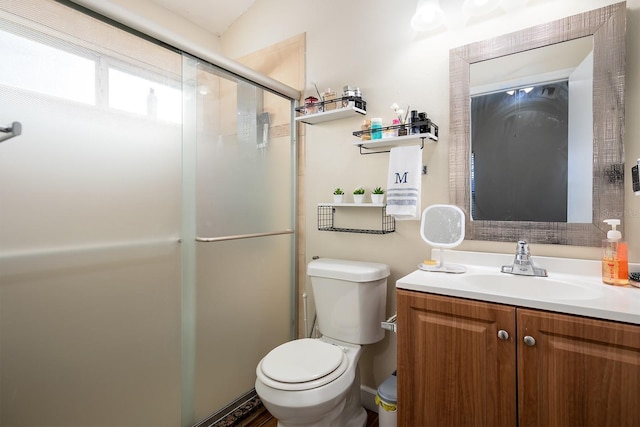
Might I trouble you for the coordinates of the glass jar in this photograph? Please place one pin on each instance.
(310, 105)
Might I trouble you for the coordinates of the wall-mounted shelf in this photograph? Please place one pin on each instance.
(354, 205)
(326, 213)
(375, 144)
(325, 116)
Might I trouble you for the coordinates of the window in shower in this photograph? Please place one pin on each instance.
(40, 68)
(144, 96)
(77, 74)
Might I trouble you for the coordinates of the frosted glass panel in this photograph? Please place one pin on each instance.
(243, 311)
(245, 158)
(78, 176)
(89, 226)
(110, 312)
(245, 182)
(91, 337)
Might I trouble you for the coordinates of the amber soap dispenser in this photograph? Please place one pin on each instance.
(615, 260)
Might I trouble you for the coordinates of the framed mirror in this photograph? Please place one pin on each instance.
(491, 163)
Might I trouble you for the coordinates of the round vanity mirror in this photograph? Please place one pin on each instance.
(442, 227)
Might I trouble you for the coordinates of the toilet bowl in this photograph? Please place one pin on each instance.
(323, 391)
(315, 382)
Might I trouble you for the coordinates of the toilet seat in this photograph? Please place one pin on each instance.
(302, 365)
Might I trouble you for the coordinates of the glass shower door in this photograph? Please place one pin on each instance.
(244, 220)
(90, 212)
(146, 226)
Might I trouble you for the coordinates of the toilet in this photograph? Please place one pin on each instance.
(315, 382)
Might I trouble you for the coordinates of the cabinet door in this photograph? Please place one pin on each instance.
(453, 370)
(579, 372)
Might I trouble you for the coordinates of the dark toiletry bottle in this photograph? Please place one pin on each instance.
(424, 124)
(414, 119)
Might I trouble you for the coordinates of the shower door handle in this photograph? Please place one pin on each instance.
(242, 236)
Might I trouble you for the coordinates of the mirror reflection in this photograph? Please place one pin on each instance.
(521, 122)
(513, 135)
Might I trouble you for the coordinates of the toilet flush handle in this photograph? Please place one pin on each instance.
(390, 324)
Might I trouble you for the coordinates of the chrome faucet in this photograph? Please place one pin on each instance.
(523, 264)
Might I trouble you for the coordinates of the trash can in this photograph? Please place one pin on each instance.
(387, 401)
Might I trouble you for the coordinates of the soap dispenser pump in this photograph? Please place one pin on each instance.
(615, 261)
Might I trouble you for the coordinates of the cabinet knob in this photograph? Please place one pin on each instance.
(529, 340)
(503, 335)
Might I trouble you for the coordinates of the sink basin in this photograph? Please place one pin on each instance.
(531, 287)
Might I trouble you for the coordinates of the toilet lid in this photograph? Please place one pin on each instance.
(304, 363)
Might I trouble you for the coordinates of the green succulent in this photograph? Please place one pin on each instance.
(338, 191)
(378, 190)
(358, 190)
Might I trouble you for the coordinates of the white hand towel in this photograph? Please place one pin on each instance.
(404, 182)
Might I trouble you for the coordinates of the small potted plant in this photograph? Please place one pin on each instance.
(338, 195)
(358, 195)
(377, 196)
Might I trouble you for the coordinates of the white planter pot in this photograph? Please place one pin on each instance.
(358, 198)
(338, 198)
(377, 199)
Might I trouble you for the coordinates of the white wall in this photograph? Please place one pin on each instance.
(371, 45)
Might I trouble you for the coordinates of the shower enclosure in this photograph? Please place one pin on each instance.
(147, 225)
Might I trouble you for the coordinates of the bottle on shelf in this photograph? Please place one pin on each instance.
(376, 128)
(329, 98)
(424, 122)
(414, 129)
(366, 130)
(152, 104)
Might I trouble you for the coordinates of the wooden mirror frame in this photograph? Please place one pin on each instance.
(607, 25)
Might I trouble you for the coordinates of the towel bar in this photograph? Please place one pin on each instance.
(422, 138)
(14, 130)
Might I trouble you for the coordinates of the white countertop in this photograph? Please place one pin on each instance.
(592, 297)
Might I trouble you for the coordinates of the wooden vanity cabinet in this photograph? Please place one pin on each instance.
(472, 363)
(579, 371)
(452, 368)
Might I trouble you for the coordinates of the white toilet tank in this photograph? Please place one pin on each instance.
(350, 298)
